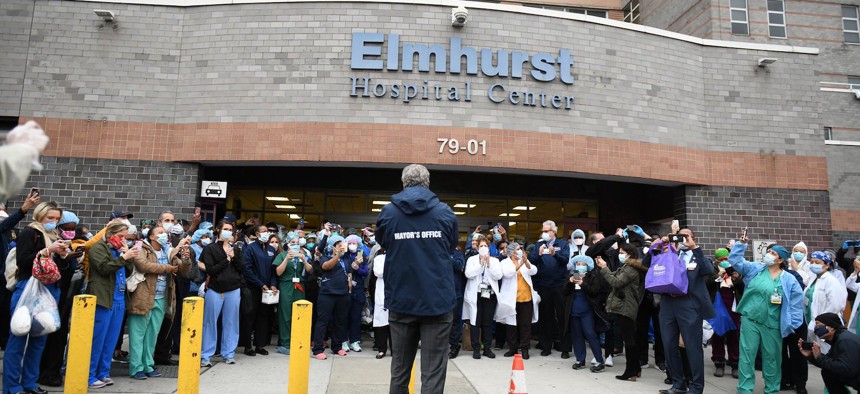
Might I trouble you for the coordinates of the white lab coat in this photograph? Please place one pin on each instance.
(473, 275)
(506, 312)
(851, 284)
(380, 314)
(804, 272)
(829, 297)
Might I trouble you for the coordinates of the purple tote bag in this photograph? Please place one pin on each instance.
(667, 273)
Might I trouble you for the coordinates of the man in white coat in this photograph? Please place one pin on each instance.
(518, 301)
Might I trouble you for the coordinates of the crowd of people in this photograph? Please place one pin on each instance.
(585, 292)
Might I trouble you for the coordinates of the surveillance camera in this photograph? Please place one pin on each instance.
(105, 14)
(459, 16)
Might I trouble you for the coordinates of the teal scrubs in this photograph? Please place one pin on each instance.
(760, 329)
(291, 289)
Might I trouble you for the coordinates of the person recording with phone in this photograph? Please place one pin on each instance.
(586, 296)
(840, 368)
(771, 309)
(293, 267)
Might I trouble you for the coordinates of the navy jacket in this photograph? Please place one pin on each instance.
(6, 226)
(336, 280)
(359, 274)
(259, 270)
(418, 233)
(459, 265)
(552, 269)
(697, 290)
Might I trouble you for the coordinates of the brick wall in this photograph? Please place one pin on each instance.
(718, 214)
(93, 188)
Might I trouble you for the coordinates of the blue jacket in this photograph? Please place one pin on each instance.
(459, 265)
(552, 269)
(791, 313)
(336, 280)
(360, 274)
(259, 270)
(6, 226)
(418, 233)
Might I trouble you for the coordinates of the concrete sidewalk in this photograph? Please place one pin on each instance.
(363, 373)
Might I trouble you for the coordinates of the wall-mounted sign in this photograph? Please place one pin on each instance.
(213, 189)
(452, 146)
(367, 55)
(760, 248)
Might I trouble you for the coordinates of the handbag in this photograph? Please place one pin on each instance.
(45, 270)
(667, 273)
(722, 322)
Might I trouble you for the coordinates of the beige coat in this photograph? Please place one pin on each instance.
(143, 298)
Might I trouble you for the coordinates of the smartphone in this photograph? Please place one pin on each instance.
(677, 238)
(676, 224)
(196, 211)
(576, 275)
(35, 191)
(138, 245)
(730, 271)
(806, 345)
(744, 232)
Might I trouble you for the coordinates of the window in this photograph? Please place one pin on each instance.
(740, 17)
(850, 24)
(776, 18)
(631, 11)
(585, 11)
(828, 133)
(854, 82)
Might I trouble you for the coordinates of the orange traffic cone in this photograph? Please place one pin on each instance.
(518, 377)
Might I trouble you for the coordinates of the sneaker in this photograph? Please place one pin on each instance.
(344, 346)
(230, 361)
(154, 374)
(205, 363)
(594, 361)
(283, 350)
(341, 352)
(355, 347)
(661, 366)
(139, 376)
(320, 356)
(644, 365)
(107, 381)
(598, 368)
(578, 366)
(97, 384)
(120, 358)
(609, 362)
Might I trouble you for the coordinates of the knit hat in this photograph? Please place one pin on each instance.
(823, 256)
(69, 217)
(721, 252)
(582, 259)
(353, 239)
(830, 320)
(802, 245)
(199, 234)
(781, 251)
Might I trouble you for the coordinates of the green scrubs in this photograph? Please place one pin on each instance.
(808, 310)
(289, 293)
(760, 329)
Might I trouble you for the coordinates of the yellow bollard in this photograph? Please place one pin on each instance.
(300, 346)
(412, 379)
(190, 344)
(80, 344)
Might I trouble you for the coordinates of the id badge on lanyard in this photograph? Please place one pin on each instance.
(776, 299)
(295, 271)
(485, 288)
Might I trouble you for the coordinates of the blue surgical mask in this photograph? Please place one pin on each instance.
(335, 234)
(162, 239)
(769, 260)
(226, 235)
(519, 254)
(816, 269)
(797, 256)
(50, 226)
(582, 270)
(311, 245)
(497, 237)
(206, 241)
(725, 264)
(622, 258)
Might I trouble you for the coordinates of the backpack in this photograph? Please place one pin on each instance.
(11, 269)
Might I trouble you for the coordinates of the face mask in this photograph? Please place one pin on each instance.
(497, 237)
(683, 247)
(302, 241)
(769, 260)
(816, 269)
(68, 234)
(167, 226)
(89, 236)
(144, 232)
(264, 237)
(226, 235)
(205, 241)
(50, 226)
(274, 245)
(622, 258)
(578, 241)
(162, 239)
(484, 251)
(582, 270)
(295, 247)
(335, 234)
(821, 331)
(310, 245)
(116, 241)
(725, 264)
(519, 254)
(798, 257)
(545, 236)
(371, 240)
(352, 248)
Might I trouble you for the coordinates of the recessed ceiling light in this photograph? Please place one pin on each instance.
(270, 198)
(459, 213)
(376, 210)
(294, 216)
(509, 215)
(381, 202)
(285, 206)
(523, 208)
(465, 205)
(512, 223)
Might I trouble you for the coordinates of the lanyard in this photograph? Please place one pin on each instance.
(295, 267)
(342, 265)
(483, 271)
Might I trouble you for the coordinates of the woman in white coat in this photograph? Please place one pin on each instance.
(518, 301)
(479, 300)
(799, 262)
(852, 284)
(381, 331)
(824, 295)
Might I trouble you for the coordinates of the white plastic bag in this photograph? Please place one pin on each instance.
(270, 298)
(36, 313)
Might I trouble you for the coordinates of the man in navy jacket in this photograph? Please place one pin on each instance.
(259, 277)
(418, 233)
(550, 255)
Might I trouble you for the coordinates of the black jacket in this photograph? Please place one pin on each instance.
(418, 233)
(224, 274)
(843, 359)
(6, 226)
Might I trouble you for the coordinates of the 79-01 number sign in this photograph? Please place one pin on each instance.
(452, 145)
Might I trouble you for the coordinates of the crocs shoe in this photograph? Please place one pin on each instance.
(97, 384)
(341, 352)
(320, 356)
